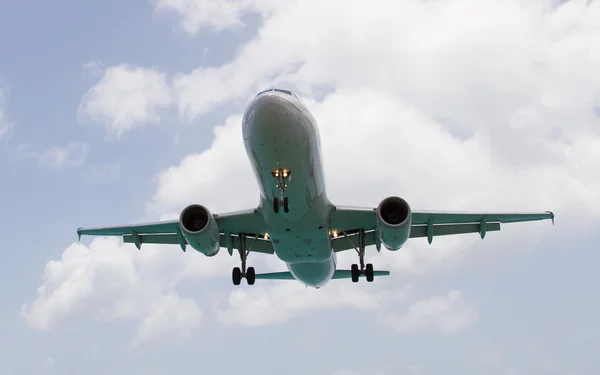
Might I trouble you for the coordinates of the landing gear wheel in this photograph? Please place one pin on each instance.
(355, 270)
(236, 276)
(250, 275)
(286, 205)
(369, 272)
(239, 273)
(276, 205)
(355, 273)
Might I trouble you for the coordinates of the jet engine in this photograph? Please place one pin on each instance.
(394, 218)
(200, 229)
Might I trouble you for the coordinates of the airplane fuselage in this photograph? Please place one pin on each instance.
(280, 134)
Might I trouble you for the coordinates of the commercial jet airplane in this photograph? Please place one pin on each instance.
(294, 219)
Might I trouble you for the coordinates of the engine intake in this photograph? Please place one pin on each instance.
(200, 229)
(394, 219)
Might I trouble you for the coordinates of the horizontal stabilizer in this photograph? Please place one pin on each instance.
(347, 274)
(275, 276)
(339, 274)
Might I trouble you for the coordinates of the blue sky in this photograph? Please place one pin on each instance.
(454, 106)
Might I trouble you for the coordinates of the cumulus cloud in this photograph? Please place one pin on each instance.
(107, 280)
(449, 111)
(277, 303)
(126, 97)
(73, 155)
(475, 72)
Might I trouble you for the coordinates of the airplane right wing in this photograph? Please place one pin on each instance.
(348, 221)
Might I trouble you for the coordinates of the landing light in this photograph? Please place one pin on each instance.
(266, 236)
(334, 233)
(285, 174)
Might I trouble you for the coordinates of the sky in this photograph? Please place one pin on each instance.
(119, 112)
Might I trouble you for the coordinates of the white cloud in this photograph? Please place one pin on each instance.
(475, 71)
(195, 15)
(445, 314)
(5, 124)
(126, 97)
(278, 302)
(73, 155)
(168, 314)
(227, 157)
(108, 281)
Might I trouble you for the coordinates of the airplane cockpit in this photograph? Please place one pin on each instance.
(288, 92)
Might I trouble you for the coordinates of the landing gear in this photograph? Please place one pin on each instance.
(354, 269)
(243, 273)
(282, 176)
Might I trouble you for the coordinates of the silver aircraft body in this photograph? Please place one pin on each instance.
(295, 220)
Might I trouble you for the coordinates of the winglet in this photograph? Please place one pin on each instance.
(79, 233)
(551, 216)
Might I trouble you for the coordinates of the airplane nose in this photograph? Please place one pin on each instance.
(270, 102)
(270, 111)
(272, 117)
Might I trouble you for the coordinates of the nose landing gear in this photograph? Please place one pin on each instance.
(282, 176)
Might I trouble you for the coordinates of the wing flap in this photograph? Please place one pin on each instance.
(350, 241)
(260, 245)
(423, 217)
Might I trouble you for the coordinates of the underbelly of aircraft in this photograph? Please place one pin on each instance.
(313, 274)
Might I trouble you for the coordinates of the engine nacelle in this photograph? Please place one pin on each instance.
(394, 218)
(200, 229)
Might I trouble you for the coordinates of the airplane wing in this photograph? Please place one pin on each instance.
(248, 223)
(348, 221)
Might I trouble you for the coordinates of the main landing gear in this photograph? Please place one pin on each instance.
(282, 176)
(367, 270)
(244, 273)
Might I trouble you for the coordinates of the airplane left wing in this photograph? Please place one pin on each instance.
(247, 223)
(348, 221)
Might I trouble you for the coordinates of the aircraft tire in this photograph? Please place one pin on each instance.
(276, 205)
(355, 273)
(236, 276)
(369, 272)
(250, 275)
(286, 205)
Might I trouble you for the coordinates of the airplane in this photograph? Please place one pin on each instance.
(295, 220)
